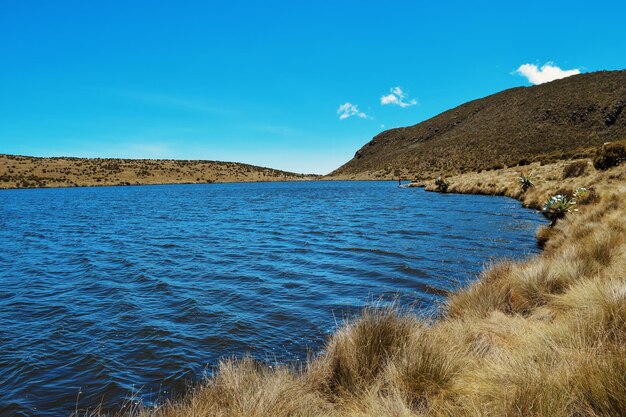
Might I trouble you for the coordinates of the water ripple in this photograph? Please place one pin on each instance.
(116, 291)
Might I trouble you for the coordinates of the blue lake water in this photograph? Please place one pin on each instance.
(106, 291)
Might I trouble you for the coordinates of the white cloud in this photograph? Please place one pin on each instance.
(348, 110)
(548, 72)
(397, 97)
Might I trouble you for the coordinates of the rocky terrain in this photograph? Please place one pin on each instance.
(548, 122)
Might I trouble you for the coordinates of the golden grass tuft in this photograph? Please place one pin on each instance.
(358, 353)
(247, 388)
(543, 234)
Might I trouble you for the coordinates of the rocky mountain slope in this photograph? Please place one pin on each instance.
(546, 122)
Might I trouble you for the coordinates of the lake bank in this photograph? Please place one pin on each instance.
(109, 287)
(532, 338)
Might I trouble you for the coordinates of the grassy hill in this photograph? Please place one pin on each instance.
(547, 122)
(30, 172)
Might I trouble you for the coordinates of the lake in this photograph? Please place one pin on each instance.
(110, 291)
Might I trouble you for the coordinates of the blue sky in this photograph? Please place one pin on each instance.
(292, 85)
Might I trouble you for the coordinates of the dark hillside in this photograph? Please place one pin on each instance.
(544, 122)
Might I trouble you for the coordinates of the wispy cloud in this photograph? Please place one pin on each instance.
(106, 149)
(166, 100)
(347, 110)
(138, 150)
(148, 151)
(283, 131)
(548, 72)
(397, 97)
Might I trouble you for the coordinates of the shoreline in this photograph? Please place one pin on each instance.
(199, 183)
(156, 184)
(542, 336)
(278, 180)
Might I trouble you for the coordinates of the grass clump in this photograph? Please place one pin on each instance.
(542, 235)
(575, 169)
(358, 353)
(247, 388)
(610, 155)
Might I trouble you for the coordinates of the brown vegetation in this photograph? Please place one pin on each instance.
(543, 337)
(29, 172)
(610, 154)
(575, 169)
(562, 119)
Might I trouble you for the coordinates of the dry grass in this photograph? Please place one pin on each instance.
(28, 172)
(544, 337)
(575, 169)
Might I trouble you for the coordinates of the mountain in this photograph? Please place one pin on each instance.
(28, 172)
(551, 121)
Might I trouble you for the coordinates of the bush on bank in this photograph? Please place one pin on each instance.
(441, 185)
(525, 182)
(610, 155)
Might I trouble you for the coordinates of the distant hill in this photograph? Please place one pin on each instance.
(28, 172)
(525, 124)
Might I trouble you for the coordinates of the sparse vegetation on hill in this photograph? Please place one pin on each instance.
(575, 169)
(562, 119)
(29, 172)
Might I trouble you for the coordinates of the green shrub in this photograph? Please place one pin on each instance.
(525, 181)
(581, 193)
(557, 206)
(585, 196)
(575, 169)
(609, 155)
